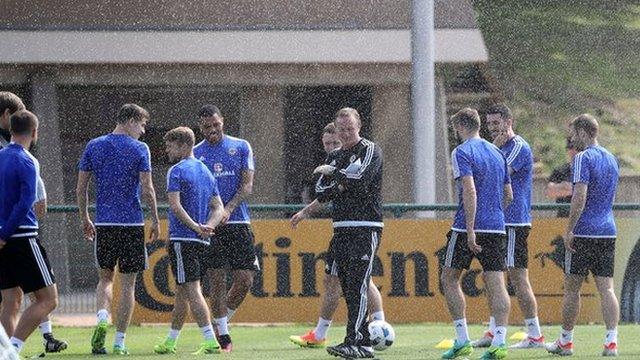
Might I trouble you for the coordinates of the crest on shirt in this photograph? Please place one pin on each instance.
(201, 158)
(217, 167)
(232, 151)
(352, 158)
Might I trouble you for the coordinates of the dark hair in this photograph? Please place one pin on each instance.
(11, 101)
(329, 129)
(468, 118)
(208, 111)
(181, 135)
(131, 111)
(501, 109)
(588, 123)
(22, 122)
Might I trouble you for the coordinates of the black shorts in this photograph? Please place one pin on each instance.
(352, 242)
(517, 248)
(188, 260)
(592, 254)
(24, 263)
(121, 245)
(233, 247)
(491, 258)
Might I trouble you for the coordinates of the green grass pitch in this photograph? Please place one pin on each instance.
(412, 342)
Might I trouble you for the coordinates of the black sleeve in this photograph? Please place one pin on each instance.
(326, 186)
(369, 169)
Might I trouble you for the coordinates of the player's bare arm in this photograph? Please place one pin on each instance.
(217, 212)
(40, 208)
(307, 211)
(469, 200)
(149, 195)
(82, 197)
(507, 196)
(245, 189)
(578, 201)
(183, 216)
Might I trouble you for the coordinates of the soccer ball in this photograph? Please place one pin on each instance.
(381, 334)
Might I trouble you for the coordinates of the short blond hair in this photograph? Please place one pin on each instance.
(181, 135)
(468, 118)
(349, 112)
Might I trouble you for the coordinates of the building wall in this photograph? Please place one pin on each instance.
(227, 15)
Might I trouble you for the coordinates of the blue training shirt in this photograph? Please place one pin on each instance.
(520, 159)
(598, 168)
(116, 161)
(19, 172)
(486, 163)
(196, 185)
(227, 159)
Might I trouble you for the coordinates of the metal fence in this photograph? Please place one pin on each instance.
(73, 262)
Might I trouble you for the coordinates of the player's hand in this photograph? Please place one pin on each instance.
(501, 139)
(154, 232)
(205, 230)
(88, 229)
(471, 243)
(226, 214)
(324, 170)
(568, 242)
(2, 243)
(296, 218)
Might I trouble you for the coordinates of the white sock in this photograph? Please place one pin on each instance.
(230, 313)
(119, 339)
(378, 315)
(566, 336)
(17, 343)
(321, 328)
(492, 325)
(207, 332)
(103, 315)
(499, 336)
(533, 327)
(222, 324)
(173, 334)
(462, 333)
(45, 327)
(612, 336)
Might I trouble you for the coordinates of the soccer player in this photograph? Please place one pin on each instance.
(119, 164)
(9, 104)
(230, 160)
(478, 230)
(352, 179)
(590, 236)
(518, 223)
(24, 267)
(196, 209)
(332, 291)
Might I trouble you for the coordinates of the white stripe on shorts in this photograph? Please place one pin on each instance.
(334, 268)
(364, 288)
(567, 261)
(511, 247)
(177, 247)
(42, 265)
(448, 259)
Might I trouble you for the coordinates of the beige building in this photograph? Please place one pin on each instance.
(277, 69)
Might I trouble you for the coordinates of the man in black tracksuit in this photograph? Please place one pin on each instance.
(352, 178)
